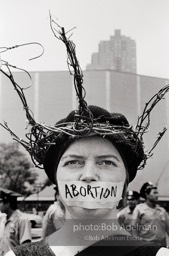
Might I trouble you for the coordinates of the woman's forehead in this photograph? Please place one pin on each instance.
(95, 144)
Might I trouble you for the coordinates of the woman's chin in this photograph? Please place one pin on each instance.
(86, 213)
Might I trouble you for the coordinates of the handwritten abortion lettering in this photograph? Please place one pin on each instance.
(93, 191)
(90, 192)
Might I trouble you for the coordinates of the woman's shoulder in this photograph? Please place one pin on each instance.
(129, 252)
(152, 250)
(29, 249)
(124, 245)
(125, 251)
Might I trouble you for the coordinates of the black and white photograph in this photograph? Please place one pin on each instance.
(84, 127)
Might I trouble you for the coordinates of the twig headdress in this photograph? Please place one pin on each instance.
(84, 121)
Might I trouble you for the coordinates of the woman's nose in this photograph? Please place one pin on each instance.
(90, 173)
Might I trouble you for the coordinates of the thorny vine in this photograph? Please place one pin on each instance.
(41, 136)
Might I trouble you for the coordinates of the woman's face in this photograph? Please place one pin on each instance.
(91, 159)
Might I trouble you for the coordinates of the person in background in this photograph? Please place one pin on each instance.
(17, 228)
(34, 211)
(2, 224)
(150, 221)
(54, 218)
(125, 215)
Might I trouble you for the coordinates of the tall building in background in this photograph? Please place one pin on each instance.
(119, 54)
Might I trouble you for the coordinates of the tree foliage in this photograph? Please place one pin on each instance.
(15, 168)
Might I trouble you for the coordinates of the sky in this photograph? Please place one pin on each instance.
(145, 21)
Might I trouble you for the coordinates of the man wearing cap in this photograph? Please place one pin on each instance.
(17, 229)
(125, 216)
(150, 222)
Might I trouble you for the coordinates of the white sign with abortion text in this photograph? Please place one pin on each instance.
(93, 195)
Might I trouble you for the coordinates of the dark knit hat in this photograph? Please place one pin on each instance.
(127, 143)
(146, 188)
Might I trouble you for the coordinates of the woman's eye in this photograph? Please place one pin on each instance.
(73, 163)
(107, 163)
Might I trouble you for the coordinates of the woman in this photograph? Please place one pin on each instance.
(92, 173)
(91, 156)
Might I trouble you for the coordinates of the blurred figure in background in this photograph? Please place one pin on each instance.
(54, 217)
(17, 228)
(150, 221)
(125, 215)
(2, 224)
